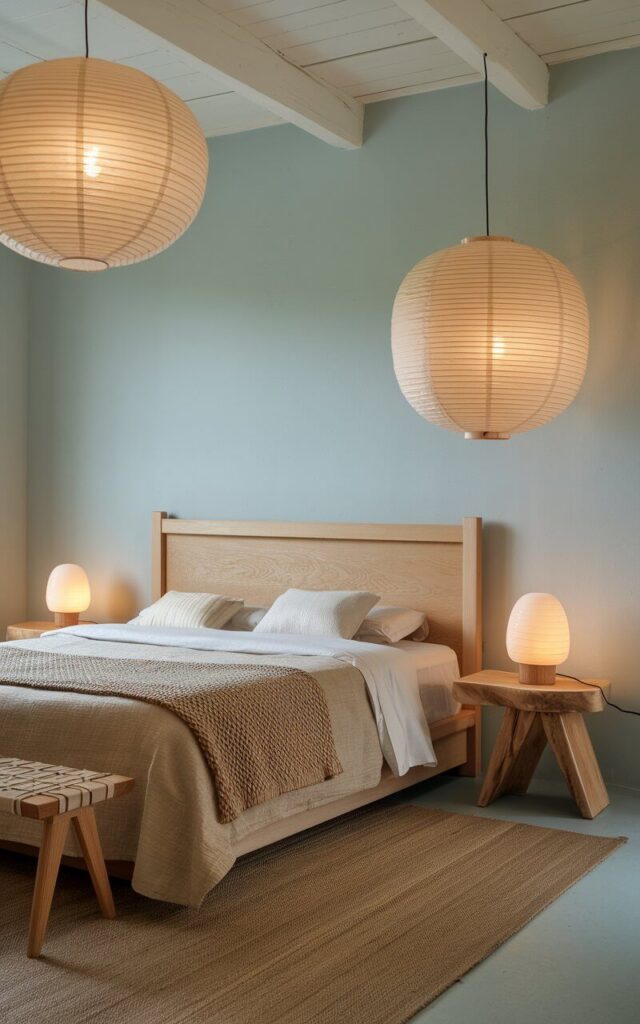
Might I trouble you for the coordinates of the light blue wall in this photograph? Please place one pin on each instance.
(246, 372)
(14, 322)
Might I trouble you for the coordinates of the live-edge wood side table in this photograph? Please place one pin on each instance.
(533, 717)
(32, 630)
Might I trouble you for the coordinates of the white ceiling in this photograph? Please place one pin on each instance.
(368, 49)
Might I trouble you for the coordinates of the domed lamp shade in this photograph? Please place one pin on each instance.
(102, 165)
(538, 638)
(68, 593)
(490, 338)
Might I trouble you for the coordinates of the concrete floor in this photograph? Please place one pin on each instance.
(578, 962)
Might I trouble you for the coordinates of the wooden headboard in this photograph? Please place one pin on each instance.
(437, 569)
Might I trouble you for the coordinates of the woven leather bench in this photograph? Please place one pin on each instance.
(59, 796)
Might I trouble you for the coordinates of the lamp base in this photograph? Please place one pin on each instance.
(537, 675)
(66, 618)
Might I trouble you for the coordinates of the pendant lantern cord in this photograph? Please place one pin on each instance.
(86, 28)
(486, 143)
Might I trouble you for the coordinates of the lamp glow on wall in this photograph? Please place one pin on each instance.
(538, 638)
(68, 593)
(490, 338)
(101, 165)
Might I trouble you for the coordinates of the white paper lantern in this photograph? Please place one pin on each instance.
(490, 338)
(100, 165)
(538, 637)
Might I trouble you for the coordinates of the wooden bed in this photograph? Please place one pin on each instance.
(433, 568)
(437, 569)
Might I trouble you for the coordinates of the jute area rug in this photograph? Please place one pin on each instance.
(363, 921)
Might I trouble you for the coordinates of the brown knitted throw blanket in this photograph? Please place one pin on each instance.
(263, 730)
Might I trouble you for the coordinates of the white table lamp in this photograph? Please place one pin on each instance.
(68, 593)
(538, 638)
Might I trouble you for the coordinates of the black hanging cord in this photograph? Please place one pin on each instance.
(625, 711)
(86, 28)
(486, 142)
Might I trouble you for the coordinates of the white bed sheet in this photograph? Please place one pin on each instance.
(437, 670)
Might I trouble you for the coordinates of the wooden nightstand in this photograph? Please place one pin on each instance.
(31, 630)
(533, 717)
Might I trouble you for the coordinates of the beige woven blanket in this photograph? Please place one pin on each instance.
(263, 730)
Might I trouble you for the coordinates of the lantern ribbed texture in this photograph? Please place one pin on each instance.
(538, 631)
(100, 165)
(490, 337)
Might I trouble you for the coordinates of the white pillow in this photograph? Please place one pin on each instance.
(386, 624)
(420, 634)
(189, 611)
(246, 619)
(318, 612)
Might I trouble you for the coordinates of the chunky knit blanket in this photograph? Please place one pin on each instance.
(263, 730)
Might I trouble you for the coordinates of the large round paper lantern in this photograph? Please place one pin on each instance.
(490, 337)
(100, 165)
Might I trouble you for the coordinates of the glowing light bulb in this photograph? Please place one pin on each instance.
(91, 166)
(498, 347)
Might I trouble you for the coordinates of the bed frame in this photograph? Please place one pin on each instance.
(437, 569)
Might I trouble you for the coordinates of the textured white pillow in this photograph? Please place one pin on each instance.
(318, 612)
(386, 624)
(246, 619)
(189, 611)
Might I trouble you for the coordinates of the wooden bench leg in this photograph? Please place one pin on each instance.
(53, 837)
(86, 830)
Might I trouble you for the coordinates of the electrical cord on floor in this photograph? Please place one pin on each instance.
(625, 711)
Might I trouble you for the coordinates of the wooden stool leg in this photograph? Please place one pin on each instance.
(517, 750)
(86, 830)
(568, 737)
(53, 837)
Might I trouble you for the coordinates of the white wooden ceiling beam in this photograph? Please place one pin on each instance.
(250, 67)
(471, 29)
